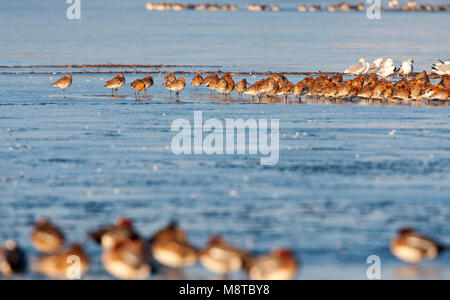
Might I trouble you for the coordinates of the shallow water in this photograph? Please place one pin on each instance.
(348, 177)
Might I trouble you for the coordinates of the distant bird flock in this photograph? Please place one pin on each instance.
(369, 81)
(393, 6)
(128, 255)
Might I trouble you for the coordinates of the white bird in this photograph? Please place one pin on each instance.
(359, 68)
(442, 67)
(406, 68)
(375, 66)
(387, 68)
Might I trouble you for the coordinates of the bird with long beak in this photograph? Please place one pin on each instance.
(116, 83)
(109, 236)
(12, 259)
(280, 264)
(222, 258)
(62, 264)
(171, 248)
(413, 247)
(63, 83)
(128, 260)
(46, 237)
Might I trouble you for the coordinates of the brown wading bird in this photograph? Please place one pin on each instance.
(253, 89)
(197, 81)
(222, 258)
(148, 80)
(128, 260)
(12, 259)
(241, 87)
(109, 236)
(62, 264)
(211, 79)
(116, 83)
(169, 79)
(46, 237)
(222, 86)
(280, 264)
(177, 86)
(171, 248)
(64, 83)
(138, 85)
(412, 247)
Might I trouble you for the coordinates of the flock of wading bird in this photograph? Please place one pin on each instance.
(343, 6)
(129, 256)
(370, 83)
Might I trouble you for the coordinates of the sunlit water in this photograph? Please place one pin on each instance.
(348, 177)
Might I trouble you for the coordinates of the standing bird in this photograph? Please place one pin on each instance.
(387, 68)
(138, 85)
(171, 248)
(177, 86)
(222, 258)
(413, 247)
(169, 79)
(241, 87)
(375, 66)
(46, 237)
(116, 83)
(12, 259)
(361, 67)
(67, 264)
(406, 68)
(211, 78)
(63, 83)
(128, 260)
(222, 86)
(197, 81)
(148, 80)
(109, 236)
(280, 264)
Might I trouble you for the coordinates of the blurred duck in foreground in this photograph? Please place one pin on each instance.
(171, 248)
(110, 236)
(116, 83)
(12, 259)
(46, 237)
(280, 264)
(128, 260)
(63, 83)
(222, 258)
(413, 247)
(71, 263)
